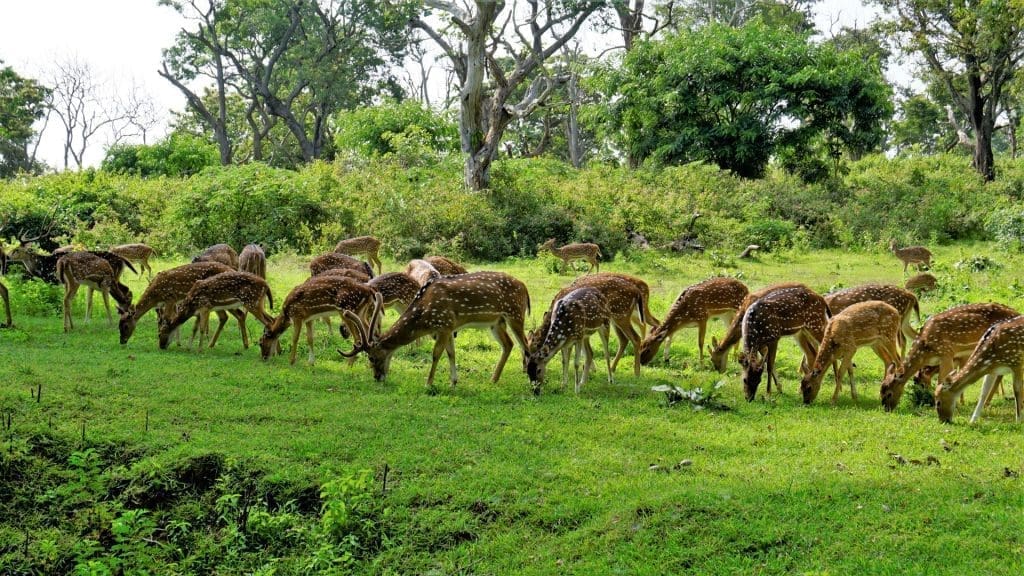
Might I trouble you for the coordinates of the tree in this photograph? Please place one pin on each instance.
(486, 110)
(974, 48)
(22, 102)
(739, 96)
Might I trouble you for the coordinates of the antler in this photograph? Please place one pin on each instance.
(50, 220)
(364, 339)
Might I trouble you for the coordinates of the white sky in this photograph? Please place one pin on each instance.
(122, 40)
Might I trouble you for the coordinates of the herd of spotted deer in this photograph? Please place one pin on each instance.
(436, 297)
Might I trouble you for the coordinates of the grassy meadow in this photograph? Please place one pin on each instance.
(486, 478)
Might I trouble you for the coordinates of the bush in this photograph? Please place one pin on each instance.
(177, 155)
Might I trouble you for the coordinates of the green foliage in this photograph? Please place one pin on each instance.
(738, 96)
(370, 130)
(22, 102)
(178, 155)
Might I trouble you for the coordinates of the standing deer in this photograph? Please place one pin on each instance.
(918, 255)
(902, 300)
(713, 298)
(795, 312)
(578, 251)
(445, 266)
(317, 297)
(944, 337)
(222, 253)
(645, 295)
(574, 317)
(84, 268)
(999, 352)
(253, 260)
(164, 291)
(479, 300)
(333, 260)
(720, 350)
(136, 253)
(226, 291)
(362, 245)
(872, 323)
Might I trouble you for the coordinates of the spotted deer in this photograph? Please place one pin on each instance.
(491, 300)
(136, 254)
(421, 271)
(578, 251)
(227, 291)
(318, 297)
(573, 318)
(445, 266)
(720, 350)
(999, 352)
(645, 294)
(334, 260)
(902, 300)
(253, 260)
(917, 255)
(923, 282)
(944, 338)
(625, 302)
(222, 253)
(356, 275)
(165, 290)
(87, 269)
(798, 312)
(872, 323)
(710, 299)
(397, 290)
(367, 245)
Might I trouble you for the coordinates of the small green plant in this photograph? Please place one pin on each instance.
(697, 398)
(977, 264)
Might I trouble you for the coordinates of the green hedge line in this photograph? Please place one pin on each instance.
(415, 203)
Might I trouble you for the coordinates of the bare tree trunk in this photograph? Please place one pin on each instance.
(572, 126)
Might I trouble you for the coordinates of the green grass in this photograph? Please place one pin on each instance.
(488, 479)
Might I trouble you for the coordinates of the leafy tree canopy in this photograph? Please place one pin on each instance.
(22, 102)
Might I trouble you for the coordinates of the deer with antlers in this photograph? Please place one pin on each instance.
(917, 255)
(367, 245)
(479, 300)
(318, 297)
(695, 306)
(253, 260)
(136, 253)
(796, 311)
(222, 253)
(872, 323)
(577, 251)
(943, 339)
(999, 352)
(720, 350)
(573, 318)
(902, 300)
(165, 290)
(226, 291)
(84, 268)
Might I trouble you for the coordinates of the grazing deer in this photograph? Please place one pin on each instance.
(999, 352)
(479, 300)
(7, 306)
(253, 260)
(226, 291)
(902, 300)
(574, 317)
(136, 253)
(720, 350)
(421, 271)
(872, 323)
(944, 337)
(645, 294)
(625, 301)
(923, 282)
(357, 275)
(84, 268)
(318, 297)
(362, 245)
(164, 291)
(397, 290)
(798, 312)
(578, 251)
(222, 253)
(445, 266)
(334, 260)
(918, 255)
(713, 298)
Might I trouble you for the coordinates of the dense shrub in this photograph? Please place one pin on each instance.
(179, 154)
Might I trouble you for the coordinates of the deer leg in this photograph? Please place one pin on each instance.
(1018, 392)
(106, 306)
(499, 333)
(245, 331)
(452, 368)
(566, 351)
(621, 337)
(69, 297)
(603, 333)
(702, 327)
(998, 387)
(590, 350)
(88, 304)
(309, 343)
(222, 319)
(439, 347)
(668, 346)
(580, 378)
(986, 388)
(204, 328)
(516, 325)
